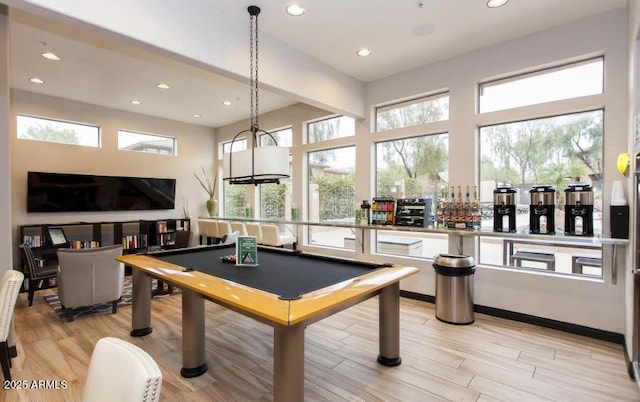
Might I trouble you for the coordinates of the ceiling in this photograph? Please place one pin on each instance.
(103, 70)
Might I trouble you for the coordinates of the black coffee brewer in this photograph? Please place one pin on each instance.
(504, 209)
(578, 210)
(542, 209)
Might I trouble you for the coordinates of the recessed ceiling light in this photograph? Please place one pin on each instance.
(364, 52)
(163, 86)
(135, 102)
(36, 80)
(197, 116)
(50, 56)
(496, 3)
(226, 103)
(295, 10)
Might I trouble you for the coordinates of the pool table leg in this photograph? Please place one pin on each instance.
(193, 351)
(288, 363)
(389, 323)
(141, 309)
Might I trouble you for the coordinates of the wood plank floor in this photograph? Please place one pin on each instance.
(490, 360)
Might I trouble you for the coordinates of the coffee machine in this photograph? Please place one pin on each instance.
(504, 209)
(578, 210)
(542, 209)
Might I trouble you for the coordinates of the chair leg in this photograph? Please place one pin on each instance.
(32, 290)
(68, 314)
(5, 361)
(114, 307)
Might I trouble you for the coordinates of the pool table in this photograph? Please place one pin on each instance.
(288, 290)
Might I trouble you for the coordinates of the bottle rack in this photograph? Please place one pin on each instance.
(382, 211)
(414, 212)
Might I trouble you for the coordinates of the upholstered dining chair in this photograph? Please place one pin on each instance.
(89, 276)
(39, 273)
(120, 371)
(253, 229)
(10, 284)
(271, 236)
(239, 227)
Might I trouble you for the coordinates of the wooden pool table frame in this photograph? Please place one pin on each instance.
(288, 317)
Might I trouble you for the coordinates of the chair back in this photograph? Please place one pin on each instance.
(253, 229)
(30, 260)
(183, 239)
(120, 371)
(239, 227)
(10, 284)
(270, 235)
(224, 228)
(89, 276)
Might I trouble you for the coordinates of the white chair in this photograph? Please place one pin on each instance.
(271, 236)
(208, 230)
(224, 229)
(239, 227)
(10, 284)
(253, 229)
(120, 371)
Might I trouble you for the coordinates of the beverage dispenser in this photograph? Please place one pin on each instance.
(504, 209)
(578, 210)
(542, 210)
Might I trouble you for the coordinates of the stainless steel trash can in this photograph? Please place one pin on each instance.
(454, 288)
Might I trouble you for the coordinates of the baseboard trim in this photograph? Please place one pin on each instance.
(608, 336)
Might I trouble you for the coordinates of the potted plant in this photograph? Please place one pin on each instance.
(205, 182)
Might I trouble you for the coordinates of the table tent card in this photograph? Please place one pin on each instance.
(247, 251)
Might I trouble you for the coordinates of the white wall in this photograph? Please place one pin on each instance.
(195, 145)
(592, 304)
(633, 94)
(6, 248)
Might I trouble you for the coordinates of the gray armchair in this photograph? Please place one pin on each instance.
(88, 277)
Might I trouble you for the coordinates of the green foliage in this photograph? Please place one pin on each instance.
(337, 195)
(235, 200)
(273, 200)
(49, 133)
(548, 151)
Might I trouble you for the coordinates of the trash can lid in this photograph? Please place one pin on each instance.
(454, 261)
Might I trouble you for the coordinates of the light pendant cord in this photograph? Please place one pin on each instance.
(253, 61)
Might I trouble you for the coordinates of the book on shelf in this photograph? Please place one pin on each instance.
(134, 241)
(162, 226)
(83, 244)
(32, 241)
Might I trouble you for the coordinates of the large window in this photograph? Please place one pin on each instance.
(413, 112)
(413, 168)
(150, 143)
(276, 199)
(236, 197)
(331, 194)
(565, 82)
(48, 130)
(327, 129)
(552, 151)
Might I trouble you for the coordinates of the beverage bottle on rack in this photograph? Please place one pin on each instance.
(475, 209)
(440, 210)
(460, 217)
(468, 216)
(451, 221)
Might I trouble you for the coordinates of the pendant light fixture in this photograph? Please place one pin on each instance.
(256, 165)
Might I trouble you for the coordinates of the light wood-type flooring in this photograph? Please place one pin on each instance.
(490, 360)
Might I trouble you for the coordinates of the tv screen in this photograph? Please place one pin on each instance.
(66, 192)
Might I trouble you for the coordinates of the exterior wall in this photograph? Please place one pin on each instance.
(596, 305)
(195, 148)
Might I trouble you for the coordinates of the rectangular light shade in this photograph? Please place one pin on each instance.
(269, 164)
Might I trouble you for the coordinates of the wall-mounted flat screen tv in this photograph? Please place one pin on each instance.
(65, 192)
